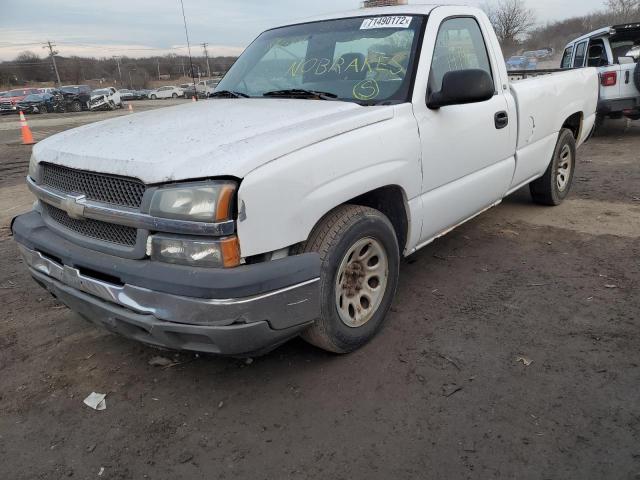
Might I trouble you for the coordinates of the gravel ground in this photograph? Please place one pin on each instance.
(442, 392)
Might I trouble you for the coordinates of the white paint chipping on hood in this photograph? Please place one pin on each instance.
(224, 137)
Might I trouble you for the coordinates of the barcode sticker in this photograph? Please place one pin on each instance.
(386, 22)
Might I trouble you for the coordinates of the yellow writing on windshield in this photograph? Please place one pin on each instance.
(375, 63)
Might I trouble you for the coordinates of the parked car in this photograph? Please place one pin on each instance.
(190, 92)
(207, 87)
(37, 103)
(9, 102)
(307, 184)
(128, 95)
(76, 97)
(166, 92)
(521, 62)
(47, 89)
(615, 52)
(144, 94)
(105, 99)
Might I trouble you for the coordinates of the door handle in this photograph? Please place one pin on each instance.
(501, 119)
(627, 76)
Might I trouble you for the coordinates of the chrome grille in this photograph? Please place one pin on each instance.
(106, 232)
(100, 187)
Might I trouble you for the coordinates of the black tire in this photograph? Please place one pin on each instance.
(333, 238)
(76, 106)
(548, 190)
(174, 96)
(153, 97)
(636, 75)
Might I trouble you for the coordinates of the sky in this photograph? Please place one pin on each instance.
(139, 28)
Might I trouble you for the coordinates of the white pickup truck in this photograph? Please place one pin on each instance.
(283, 205)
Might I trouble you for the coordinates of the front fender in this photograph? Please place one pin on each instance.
(282, 201)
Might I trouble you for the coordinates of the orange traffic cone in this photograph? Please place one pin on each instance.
(130, 108)
(27, 136)
(193, 99)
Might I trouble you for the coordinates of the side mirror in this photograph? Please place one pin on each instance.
(463, 86)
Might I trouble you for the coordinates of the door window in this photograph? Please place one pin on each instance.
(566, 58)
(459, 46)
(581, 55)
(597, 54)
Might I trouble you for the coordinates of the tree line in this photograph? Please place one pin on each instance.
(124, 72)
(515, 24)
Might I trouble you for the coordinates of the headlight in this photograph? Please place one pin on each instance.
(208, 202)
(222, 253)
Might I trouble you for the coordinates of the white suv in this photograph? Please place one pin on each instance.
(166, 92)
(615, 52)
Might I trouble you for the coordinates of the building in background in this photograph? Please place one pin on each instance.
(383, 3)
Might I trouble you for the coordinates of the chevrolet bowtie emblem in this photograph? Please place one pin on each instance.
(74, 206)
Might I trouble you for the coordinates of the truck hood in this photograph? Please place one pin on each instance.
(224, 137)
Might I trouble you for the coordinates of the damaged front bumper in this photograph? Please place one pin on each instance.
(172, 306)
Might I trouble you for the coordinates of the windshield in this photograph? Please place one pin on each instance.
(16, 93)
(367, 60)
(70, 89)
(101, 92)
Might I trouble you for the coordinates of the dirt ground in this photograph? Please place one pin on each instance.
(440, 393)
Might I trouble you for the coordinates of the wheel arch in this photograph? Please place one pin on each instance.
(574, 123)
(391, 200)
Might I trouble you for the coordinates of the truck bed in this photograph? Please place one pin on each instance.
(544, 101)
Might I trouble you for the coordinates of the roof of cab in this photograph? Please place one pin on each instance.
(596, 33)
(368, 12)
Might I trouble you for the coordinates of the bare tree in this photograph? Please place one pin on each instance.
(623, 10)
(511, 20)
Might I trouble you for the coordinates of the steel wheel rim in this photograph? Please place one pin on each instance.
(565, 165)
(361, 282)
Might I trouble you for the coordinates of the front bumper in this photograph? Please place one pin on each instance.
(171, 306)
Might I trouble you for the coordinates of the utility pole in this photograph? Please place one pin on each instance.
(158, 69)
(53, 54)
(130, 79)
(117, 59)
(184, 73)
(206, 55)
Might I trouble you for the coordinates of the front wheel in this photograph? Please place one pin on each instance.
(174, 96)
(153, 97)
(359, 276)
(76, 106)
(554, 186)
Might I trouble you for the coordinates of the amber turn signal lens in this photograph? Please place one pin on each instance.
(230, 252)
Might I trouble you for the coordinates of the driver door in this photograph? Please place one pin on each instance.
(467, 150)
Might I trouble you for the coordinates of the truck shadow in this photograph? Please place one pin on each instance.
(619, 127)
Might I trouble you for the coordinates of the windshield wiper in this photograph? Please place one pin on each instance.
(228, 94)
(301, 93)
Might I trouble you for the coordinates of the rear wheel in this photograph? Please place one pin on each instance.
(76, 106)
(554, 186)
(153, 97)
(359, 276)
